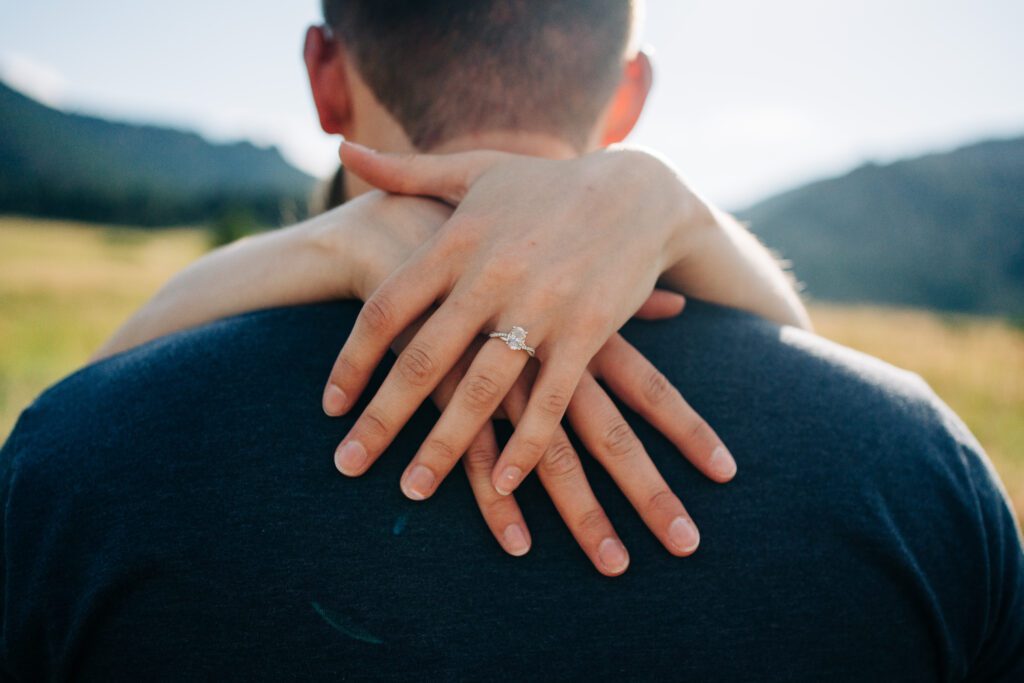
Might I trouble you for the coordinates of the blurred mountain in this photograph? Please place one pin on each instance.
(942, 231)
(65, 165)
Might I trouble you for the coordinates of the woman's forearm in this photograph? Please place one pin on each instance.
(287, 266)
(708, 254)
(727, 265)
(717, 260)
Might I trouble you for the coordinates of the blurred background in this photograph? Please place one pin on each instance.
(878, 146)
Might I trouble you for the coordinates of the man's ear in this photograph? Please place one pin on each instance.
(628, 102)
(328, 81)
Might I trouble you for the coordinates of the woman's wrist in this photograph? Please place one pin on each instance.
(327, 244)
(683, 218)
(301, 264)
(707, 253)
(727, 265)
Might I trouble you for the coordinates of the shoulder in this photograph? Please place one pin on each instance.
(869, 454)
(114, 477)
(802, 388)
(115, 404)
(817, 391)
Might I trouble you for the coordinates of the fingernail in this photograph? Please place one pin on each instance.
(684, 535)
(335, 400)
(722, 464)
(356, 145)
(515, 540)
(418, 483)
(613, 555)
(350, 458)
(508, 480)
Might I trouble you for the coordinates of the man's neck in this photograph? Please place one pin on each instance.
(515, 142)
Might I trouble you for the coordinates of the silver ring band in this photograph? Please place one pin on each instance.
(515, 339)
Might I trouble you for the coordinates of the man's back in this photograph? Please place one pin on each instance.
(176, 510)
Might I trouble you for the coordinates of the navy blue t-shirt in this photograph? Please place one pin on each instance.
(173, 513)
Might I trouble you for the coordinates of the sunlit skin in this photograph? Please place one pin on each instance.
(478, 276)
(528, 231)
(489, 291)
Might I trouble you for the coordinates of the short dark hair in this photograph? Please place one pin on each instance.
(445, 68)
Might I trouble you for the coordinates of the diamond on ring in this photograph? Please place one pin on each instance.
(515, 339)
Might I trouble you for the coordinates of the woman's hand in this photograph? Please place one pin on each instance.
(609, 438)
(545, 245)
(472, 391)
(387, 229)
(348, 252)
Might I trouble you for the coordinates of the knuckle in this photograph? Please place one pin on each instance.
(559, 290)
(504, 269)
(552, 293)
(378, 314)
(459, 236)
(442, 449)
(698, 430)
(480, 458)
(618, 439)
(656, 387)
(595, 324)
(374, 424)
(662, 500)
(560, 460)
(496, 510)
(534, 448)
(416, 365)
(554, 403)
(481, 393)
(408, 185)
(343, 369)
(591, 322)
(546, 299)
(593, 521)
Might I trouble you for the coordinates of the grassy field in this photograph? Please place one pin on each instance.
(65, 287)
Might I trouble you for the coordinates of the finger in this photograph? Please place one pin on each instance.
(486, 382)
(644, 389)
(562, 476)
(445, 176)
(661, 304)
(611, 440)
(549, 397)
(404, 296)
(417, 371)
(446, 388)
(450, 383)
(501, 513)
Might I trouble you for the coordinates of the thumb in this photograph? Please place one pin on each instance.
(661, 304)
(444, 176)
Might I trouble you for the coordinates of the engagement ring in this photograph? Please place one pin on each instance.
(515, 338)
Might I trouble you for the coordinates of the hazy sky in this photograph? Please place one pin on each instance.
(751, 96)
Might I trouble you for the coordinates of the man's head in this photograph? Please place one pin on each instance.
(419, 74)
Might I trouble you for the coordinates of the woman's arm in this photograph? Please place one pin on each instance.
(566, 250)
(722, 262)
(350, 251)
(316, 260)
(273, 268)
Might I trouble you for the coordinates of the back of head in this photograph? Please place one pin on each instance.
(446, 68)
